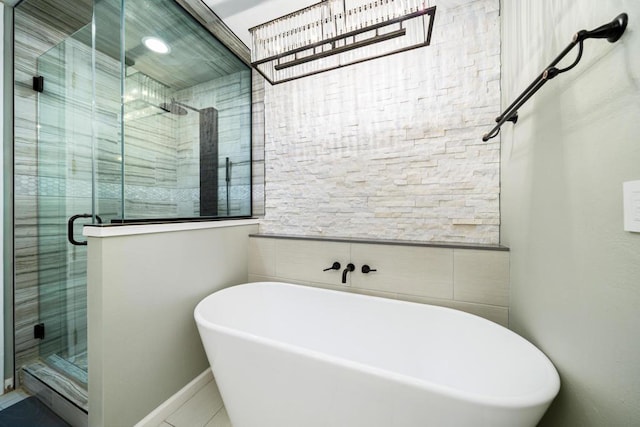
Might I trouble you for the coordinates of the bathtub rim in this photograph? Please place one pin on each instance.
(544, 396)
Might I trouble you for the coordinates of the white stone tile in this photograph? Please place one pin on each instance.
(345, 157)
(481, 276)
(412, 270)
(306, 259)
(198, 410)
(262, 256)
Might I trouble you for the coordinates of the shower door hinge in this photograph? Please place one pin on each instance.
(38, 84)
(38, 331)
(8, 385)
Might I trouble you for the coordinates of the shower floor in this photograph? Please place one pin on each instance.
(75, 367)
(73, 389)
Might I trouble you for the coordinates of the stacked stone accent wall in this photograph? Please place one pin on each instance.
(391, 148)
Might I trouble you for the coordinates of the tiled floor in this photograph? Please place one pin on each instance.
(15, 396)
(204, 409)
(30, 412)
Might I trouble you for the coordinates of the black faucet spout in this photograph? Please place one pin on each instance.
(350, 267)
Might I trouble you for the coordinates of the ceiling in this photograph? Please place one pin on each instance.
(195, 56)
(190, 52)
(240, 15)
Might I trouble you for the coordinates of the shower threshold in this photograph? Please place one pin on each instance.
(64, 396)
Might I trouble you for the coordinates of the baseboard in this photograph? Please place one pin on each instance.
(172, 404)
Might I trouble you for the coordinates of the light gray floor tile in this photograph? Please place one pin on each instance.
(13, 397)
(198, 410)
(221, 419)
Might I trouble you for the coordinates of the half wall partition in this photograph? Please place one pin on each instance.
(124, 110)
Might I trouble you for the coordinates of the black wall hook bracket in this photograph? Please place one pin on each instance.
(611, 31)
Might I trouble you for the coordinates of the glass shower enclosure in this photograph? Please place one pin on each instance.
(125, 111)
(64, 189)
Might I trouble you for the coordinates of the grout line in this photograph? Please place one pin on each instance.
(275, 258)
(177, 401)
(453, 275)
(213, 416)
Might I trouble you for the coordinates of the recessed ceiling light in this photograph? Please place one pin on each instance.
(155, 44)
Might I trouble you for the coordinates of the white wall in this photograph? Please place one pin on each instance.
(575, 274)
(142, 290)
(391, 148)
(2, 355)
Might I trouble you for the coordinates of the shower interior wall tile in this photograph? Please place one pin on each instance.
(108, 144)
(406, 272)
(29, 44)
(229, 95)
(391, 148)
(26, 314)
(43, 173)
(150, 165)
(47, 258)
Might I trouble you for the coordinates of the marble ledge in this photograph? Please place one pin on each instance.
(114, 230)
(450, 245)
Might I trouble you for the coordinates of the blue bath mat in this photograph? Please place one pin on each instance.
(30, 412)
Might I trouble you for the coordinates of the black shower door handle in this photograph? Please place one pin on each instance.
(72, 240)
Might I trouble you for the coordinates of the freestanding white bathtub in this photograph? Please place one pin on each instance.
(294, 356)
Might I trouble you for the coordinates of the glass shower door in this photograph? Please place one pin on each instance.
(65, 190)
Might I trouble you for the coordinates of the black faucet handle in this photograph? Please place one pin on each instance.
(366, 269)
(335, 266)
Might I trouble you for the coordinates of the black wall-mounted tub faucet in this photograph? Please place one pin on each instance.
(350, 267)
